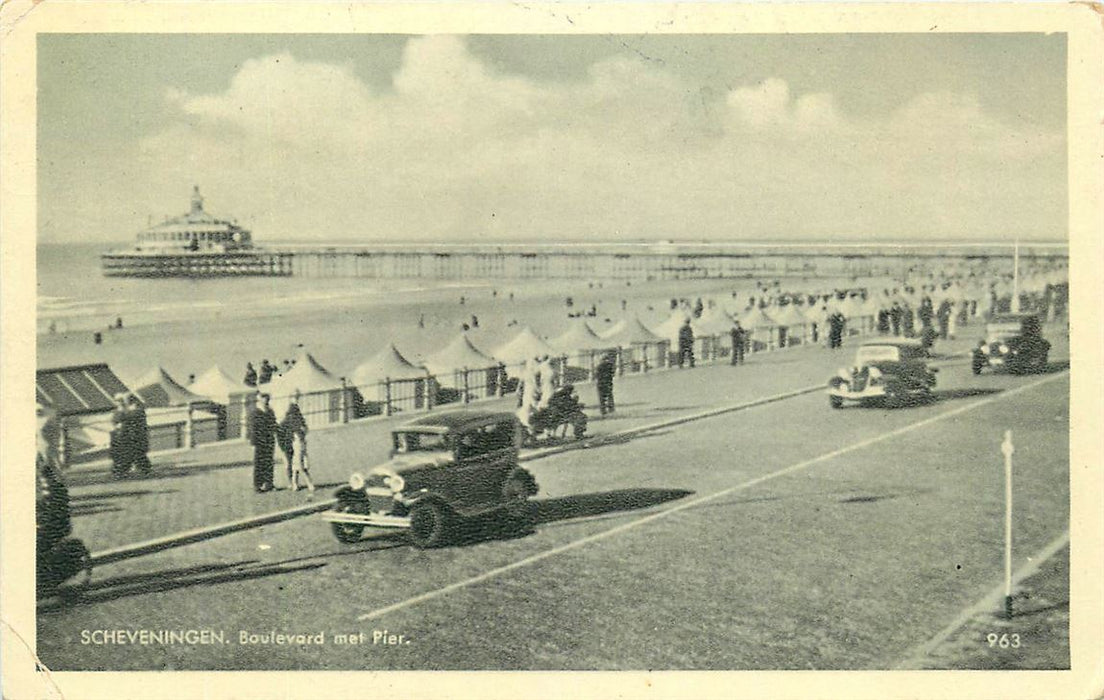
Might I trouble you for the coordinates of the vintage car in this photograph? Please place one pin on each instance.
(887, 371)
(443, 468)
(1013, 342)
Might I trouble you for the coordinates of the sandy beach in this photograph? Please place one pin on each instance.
(342, 334)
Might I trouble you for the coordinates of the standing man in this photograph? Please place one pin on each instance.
(262, 434)
(686, 344)
(139, 435)
(738, 342)
(603, 375)
(119, 450)
(250, 375)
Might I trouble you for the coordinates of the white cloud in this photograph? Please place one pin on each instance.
(308, 150)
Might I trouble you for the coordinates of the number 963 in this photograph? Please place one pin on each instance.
(1004, 641)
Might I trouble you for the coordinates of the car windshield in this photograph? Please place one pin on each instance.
(488, 438)
(876, 353)
(1003, 331)
(419, 442)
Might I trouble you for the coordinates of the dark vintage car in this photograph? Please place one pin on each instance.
(443, 468)
(1013, 342)
(886, 371)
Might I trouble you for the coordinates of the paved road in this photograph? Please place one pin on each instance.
(785, 536)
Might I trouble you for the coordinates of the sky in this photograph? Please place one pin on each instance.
(362, 138)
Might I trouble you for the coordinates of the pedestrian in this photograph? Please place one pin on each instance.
(266, 372)
(293, 443)
(262, 434)
(739, 338)
(118, 447)
(603, 375)
(138, 435)
(250, 375)
(686, 344)
(895, 314)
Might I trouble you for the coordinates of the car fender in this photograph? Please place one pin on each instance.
(526, 477)
(347, 494)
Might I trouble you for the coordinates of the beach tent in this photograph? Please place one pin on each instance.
(322, 396)
(669, 327)
(583, 347)
(851, 307)
(387, 381)
(157, 389)
(630, 331)
(789, 316)
(644, 345)
(755, 318)
(388, 363)
(526, 345)
(237, 398)
(452, 368)
(219, 386)
(579, 336)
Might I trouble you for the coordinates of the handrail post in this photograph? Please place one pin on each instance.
(189, 425)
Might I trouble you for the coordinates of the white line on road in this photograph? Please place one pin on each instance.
(438, 592)
(991, 601)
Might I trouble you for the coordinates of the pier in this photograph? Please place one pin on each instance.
(648, 262)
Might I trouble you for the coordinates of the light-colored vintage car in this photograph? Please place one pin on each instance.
(443, 468)
(887, 371)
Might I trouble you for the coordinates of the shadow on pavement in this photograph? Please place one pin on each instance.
(966, 393)
(160, 471)
(494, 527)
(167, 580)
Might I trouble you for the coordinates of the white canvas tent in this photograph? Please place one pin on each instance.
(448, 366)
(321, 394)
(157, 389)
(390, 382)
(524, 346)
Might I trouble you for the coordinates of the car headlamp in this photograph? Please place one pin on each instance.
(357, 481)
(395, 482)
(1003, 348)
(985, 349)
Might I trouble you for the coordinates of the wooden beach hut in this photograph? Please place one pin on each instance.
(388, 382)
(463, 372)
(323, 397)
(237, 399)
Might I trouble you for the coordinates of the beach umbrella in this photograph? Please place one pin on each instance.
(388, 363)
(526, 345)
(158, 389)
(219, 386)
(458, 355)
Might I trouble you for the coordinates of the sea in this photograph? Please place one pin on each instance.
(74, 295)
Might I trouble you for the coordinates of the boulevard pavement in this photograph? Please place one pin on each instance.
(212, 484)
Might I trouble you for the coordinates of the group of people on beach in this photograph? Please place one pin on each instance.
(290, 434)
(264, 376)
(129, 443)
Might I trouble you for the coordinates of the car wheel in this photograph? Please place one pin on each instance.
(428, 525)
(347, 533)
(515, 495)
(835, 402)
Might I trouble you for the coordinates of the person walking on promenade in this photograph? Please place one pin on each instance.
(250, 375)
(262, 434)
(292, 424)
(139, 435)
(739, 338)
(895, 314)
(603, 375)
(835, 330)
(293, 431)
(686, 344)
(119, 446)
